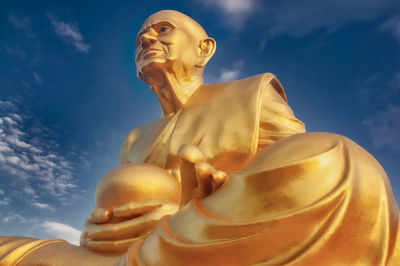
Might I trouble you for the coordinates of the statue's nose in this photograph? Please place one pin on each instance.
(147, 39)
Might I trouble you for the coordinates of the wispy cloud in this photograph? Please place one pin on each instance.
(300, 18)
(4, 201)
(37, 78)
(41, 227)
(225, 74)
(232, 73)
(228, 75)
(8, 105)
(33, 159)
(373, 88)
(21, 23)
(43, 206)
(16, 51)
(70, 32)
(392, 26)
(384, 127)
(394, 83)
(235, 12)
(16, 218)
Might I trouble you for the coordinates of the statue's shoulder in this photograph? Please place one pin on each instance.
(266, 80)
(238, 88)
(251, 82)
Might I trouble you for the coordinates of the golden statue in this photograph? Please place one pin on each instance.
(226, 176)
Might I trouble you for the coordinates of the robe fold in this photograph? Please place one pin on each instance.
(310, 199)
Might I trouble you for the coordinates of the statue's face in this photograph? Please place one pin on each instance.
(166, 40)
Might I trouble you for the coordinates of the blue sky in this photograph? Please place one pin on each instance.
(69, 92)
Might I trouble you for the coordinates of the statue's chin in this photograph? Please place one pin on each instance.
(151, 70)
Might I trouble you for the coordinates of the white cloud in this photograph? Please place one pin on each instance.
(62, 231)
(43, 206)
(70, 32)
(4, 148)
(384, 127)
(5, 201)
(7, 105)
(235, 12)
(235, 7)
(30, 191)
(22, 23)
(233, 73)
(36, 150)
(38, 78)
(228, 75)
(33, 159)
(8, 120)
(13, 160)
(10, 217)
(17, 117)
(14, 139)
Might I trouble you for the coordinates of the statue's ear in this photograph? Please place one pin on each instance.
(205, 51)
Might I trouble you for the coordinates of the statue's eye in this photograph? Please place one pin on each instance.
(164, 29)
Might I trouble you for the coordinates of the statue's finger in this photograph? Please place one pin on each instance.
(99, 215)
(82, 240)
(138, 208)
(218, 178)
(115, 246)
(189, 155)
(129, 228)
(204, 179)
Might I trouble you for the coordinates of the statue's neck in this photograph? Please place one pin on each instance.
(173, 93)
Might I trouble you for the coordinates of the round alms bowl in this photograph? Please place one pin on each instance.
(135, 183)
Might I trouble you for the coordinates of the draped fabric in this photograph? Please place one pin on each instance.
(310, 199)
(229, 121)
(26, 251)
(13, 249)
(296, 199)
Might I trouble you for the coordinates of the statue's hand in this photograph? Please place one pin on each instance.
(198, 178)
(116, 230)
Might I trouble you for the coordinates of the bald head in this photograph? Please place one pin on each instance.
(171, 42)
(179, 20)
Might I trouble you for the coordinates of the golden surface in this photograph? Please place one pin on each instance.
(252, 188)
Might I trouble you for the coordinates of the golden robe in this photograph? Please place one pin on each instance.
(307, 199)
(292, 198)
